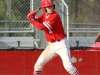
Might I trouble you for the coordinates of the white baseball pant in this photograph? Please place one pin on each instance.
(61, 48)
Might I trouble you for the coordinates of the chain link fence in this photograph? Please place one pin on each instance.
(13, 17)
(84, 20)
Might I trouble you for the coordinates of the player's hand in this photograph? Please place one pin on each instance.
(31, 15)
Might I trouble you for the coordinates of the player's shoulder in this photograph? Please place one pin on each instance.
(55, 14)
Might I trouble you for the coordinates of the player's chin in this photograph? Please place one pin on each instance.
(50, 12)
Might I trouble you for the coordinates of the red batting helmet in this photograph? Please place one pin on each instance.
(46, 3)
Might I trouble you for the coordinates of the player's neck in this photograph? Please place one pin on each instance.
(49, 13)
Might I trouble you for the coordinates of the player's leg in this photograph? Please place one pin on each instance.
(65, 56)
(64, 53)
(45, 57)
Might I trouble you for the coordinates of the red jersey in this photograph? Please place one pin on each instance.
(52, 26)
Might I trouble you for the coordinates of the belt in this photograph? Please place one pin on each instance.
(55, 41)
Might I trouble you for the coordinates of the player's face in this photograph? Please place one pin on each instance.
(50, 9)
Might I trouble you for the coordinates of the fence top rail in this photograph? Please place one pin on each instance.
(85, 24)
(14, 21)
(17, 31)
(18, 39)
(84, 30)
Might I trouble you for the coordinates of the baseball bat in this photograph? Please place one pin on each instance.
(37, 9)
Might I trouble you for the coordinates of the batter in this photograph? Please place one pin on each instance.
(50, 23)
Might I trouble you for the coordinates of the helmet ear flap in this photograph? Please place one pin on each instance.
(43, 8)
(54, 6)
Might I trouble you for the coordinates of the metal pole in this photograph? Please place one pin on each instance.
(32, 5)
(62, 12)
(31, 8)
(9, 15)
(67, 19)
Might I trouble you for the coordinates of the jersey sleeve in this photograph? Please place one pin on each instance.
(44, 22)
(37, 22)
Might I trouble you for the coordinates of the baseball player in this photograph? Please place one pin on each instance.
(50, 23)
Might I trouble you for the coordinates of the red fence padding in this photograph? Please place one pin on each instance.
(22, 62)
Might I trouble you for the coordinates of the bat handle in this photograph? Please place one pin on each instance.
(38, 9)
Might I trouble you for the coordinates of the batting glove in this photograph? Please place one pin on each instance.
(31, 15)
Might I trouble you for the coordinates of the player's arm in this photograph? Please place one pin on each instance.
(47, 24)
(41, 25)
(34, 21)
(37, 24)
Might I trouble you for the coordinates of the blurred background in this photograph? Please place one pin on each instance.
(80, 18)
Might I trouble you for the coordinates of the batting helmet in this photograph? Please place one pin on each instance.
(47, 3)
